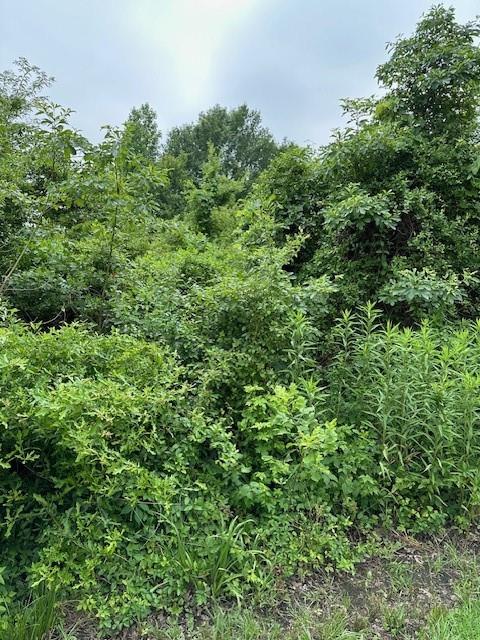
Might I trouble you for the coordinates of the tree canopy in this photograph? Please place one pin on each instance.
(244, 145)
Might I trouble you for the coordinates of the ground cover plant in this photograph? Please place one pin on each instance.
(225, 362)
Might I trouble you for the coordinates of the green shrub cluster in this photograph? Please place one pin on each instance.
(121, 481)
(187, 411)
(416, 392)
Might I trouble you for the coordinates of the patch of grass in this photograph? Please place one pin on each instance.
(395, 620)
(245, 624)
(401, 578)
(462, 623)
(35, 621)
(467, 585)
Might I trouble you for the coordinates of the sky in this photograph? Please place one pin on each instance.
(293, 60)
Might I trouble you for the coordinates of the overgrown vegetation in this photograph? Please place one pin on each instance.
(224, 360)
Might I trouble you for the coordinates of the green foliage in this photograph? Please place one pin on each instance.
(221, 561)
(20, 89)
(141, 136)
(397, 190)
(416, 392)
(19, 96)
(434, 76)
(111, 451)
(226, 308)
(214, 191)
(181, 416)
(292, 187)
(105, 444)
(424, 293)
(358, 209)
(462, 623)
(244, 146)
(34, 621)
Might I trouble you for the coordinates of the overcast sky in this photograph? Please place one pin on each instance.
(291, 59)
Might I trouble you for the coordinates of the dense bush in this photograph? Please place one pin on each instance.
(417, 394)
(187, 411)
(116, 479)
(118, 474)
(398, 188)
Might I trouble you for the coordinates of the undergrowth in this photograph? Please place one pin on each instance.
(188, 413)
(120, 487)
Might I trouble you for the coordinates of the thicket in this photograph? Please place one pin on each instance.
(187, 409)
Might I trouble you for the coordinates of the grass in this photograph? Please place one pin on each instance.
(462, 623)
(241, 624)
(220, 568)
(35, 620)
(412, 589)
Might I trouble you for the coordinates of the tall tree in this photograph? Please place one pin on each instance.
(20, 90)
(245, 147)
(141, 135)
(433, 76)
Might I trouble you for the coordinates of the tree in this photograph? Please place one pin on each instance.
(141, 135)
(392, 205)
(245, 147)
(214, 190)
(20, 90)
(433, 77)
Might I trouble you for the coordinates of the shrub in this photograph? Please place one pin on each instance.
(416, 393)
